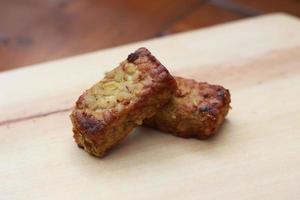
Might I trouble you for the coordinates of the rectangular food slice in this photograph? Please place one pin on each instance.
(196, 110)
(107, 112)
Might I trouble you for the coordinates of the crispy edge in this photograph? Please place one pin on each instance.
(97, 136)
(201, 121)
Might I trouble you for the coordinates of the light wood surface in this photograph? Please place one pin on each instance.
(254, 156)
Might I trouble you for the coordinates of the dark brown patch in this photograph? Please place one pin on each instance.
(143, 52)
(88, 123)
(205, 95)
(205, 108)
(221, 94)
(132, 57)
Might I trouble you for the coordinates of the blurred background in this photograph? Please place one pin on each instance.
(33, 31)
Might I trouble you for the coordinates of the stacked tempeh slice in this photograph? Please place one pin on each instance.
(141, 90)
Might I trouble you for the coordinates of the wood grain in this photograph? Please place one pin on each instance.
(205, 15)
(36, 31)
(33, 31)
(254, 156)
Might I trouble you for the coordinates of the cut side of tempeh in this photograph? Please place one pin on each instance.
(196, 110)
(107, 112)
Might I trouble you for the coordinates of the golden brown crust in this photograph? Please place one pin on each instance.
(107, 112)
(197, 110)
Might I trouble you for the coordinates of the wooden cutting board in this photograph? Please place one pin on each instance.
(256, 154)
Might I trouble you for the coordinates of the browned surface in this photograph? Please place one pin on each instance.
(36, 31)
(197, 110)
(107, 112)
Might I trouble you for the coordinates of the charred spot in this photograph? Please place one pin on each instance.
(221, 93)
(206, 108)
(132, 57)
(205, 95)
(143, 51)
(89, 124)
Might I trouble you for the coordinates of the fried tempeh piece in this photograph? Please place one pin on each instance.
(107, 112)
(197, 110)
